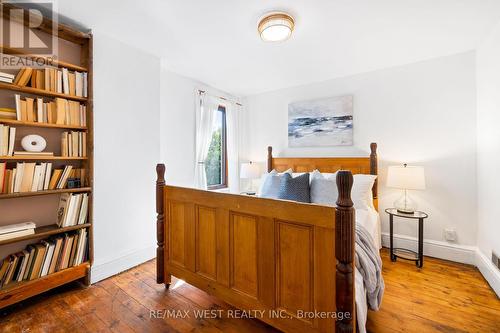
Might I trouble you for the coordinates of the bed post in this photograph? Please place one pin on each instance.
(344, 252)
(269, 159)
(374, 168)
(160, 218)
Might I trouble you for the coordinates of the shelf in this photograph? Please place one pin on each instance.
(44, 231)
(16, 292)
(47, 125)
(48, 61)
(35, 91)
(47, 192)
(41, 158)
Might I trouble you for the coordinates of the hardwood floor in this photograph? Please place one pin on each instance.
(441, 297)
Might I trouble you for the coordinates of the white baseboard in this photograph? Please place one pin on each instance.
(437, 249)
(489, 271)
(118, 265)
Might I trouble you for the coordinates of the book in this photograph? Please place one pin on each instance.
(48, 257)
(57, 253)
(33, 153)
(62, 210)
(82, 219)
(64, 177)
(27, 178)
(18, 177)
(40, 250)
(3, 269)
(48, 172)
(36, 178)
(7, 75)
(30, 110)
(29, 266)
(24, 264)
(3, 176)
(16, 234)
(8, 113)
(12, 140)
(39, 110)
(18, 106)
(72, 83)
(85, 84)
(65, 80)
(78, 84)
(56, 175)
(17, 227)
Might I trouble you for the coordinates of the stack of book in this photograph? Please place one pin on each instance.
(44, 258)
(56, 80)
(6, 77)
(17, 230)
(8, 113)
(33, 177)
(74, 144)
(73, 209)
(60, 111)
(7, 140)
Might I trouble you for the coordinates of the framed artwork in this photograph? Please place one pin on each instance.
(321, 122)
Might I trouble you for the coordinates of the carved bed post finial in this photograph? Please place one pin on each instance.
(374, 167)
(160, 218)
(269, 159)
(344, 252)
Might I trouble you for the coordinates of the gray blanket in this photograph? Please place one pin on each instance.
(369, 264)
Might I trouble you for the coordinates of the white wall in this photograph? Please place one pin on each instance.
(127, 148)
(488, 150)
(178, 125)
(423, 114)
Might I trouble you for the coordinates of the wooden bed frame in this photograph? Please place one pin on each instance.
(275, 256)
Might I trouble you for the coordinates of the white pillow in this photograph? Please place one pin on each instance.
(361, 193)
(324, 188)
(268, 188)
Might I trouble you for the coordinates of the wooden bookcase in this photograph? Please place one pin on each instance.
(74, 53)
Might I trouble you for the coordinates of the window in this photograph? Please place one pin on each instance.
(216, 162)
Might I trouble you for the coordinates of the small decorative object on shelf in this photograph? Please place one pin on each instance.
(33, 143)
(73, 183)
(402, 253)
(406, 178)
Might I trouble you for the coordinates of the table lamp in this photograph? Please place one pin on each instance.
(406, 178)
(250, 171)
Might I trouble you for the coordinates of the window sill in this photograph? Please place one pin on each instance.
(220, 189)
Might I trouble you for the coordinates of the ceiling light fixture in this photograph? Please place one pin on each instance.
(276, 27)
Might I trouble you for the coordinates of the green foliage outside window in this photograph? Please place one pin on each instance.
(213, 163)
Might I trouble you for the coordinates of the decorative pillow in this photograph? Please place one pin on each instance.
(361, 192)
(324, 188)
(270, 184)
(296, 189)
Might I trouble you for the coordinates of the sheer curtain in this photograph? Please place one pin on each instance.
(233, 112)
(205, 106)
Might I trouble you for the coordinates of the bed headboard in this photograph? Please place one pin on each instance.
(366, 165)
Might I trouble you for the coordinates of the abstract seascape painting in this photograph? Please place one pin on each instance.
(321, 122)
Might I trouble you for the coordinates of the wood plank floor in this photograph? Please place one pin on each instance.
(441, 297)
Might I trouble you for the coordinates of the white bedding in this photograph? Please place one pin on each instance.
(370, 220)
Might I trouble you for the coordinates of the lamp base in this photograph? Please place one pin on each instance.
(405, 204)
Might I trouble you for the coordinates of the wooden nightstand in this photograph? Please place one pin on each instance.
(402, 253)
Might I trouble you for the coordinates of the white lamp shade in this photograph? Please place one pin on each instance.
(406, 177)
(249, 171)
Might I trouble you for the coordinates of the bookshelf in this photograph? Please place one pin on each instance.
(75, 54)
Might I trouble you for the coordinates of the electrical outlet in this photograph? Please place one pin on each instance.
(495, 259)
(450, 235)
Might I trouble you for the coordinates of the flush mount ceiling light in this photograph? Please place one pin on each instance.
(276, 27)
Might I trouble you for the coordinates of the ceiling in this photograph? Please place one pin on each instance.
(216, 41)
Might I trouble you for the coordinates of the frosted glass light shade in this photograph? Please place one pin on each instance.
(249, 171)
(406, 177)
(276, 27)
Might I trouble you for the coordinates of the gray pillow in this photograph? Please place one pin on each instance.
(324, 189)
(296, 189)
(271, 186)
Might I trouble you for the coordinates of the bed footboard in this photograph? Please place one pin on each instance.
(289, 264)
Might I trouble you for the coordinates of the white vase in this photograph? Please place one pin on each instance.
(33, 143)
